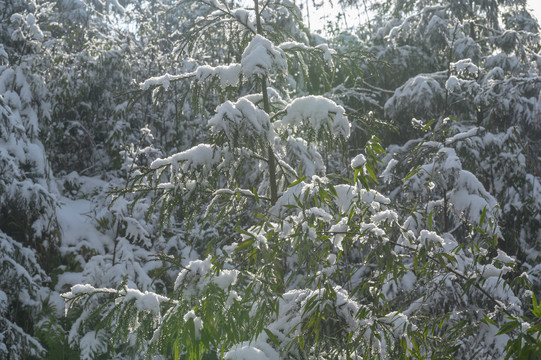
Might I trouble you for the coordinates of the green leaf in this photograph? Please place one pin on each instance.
(489, 320)
(483, 216)
(333, 190)
(507, 327)
(449, 257)
(255, 195)
(536, 307)
(415, 171)
(428, 124)
(273, 337)
(299, 180)
(245, 244)
(371, 172)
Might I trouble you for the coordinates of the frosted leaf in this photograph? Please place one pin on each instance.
(136, 231)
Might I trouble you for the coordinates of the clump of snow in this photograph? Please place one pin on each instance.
(465, 65)
(163, 81)
(200, 155)
(452, 84)
(345, 196)
(317, 112)
(231, 298)
(305, 156)
(261, 56)
(385, 215)
(227, 74)
(426, 237)
(197, 322)
(196, 267)
(257, 350)
(245, 17)
(339, 232)
(358, 161)
(387, 173)
(92, 343)
(420, 94)
(145, 301)
(225, 278)
(464, 135)
(240, 120)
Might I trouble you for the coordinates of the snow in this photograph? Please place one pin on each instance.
(426, 237)
(466, 65)
(382, 216)
(164, 81)
(197, 322)
(225, 278)
(358, 161)
(245, 17)
(452, 84)
(228, 75)
(242, 119)
(231, 298)
(346, 195)
(318, 113)
(78, 229)
(257, 350)
(201, 267)
(92, 343)
(200, 155)
(339, 232)
(419, 94)
(144, 301)
(387, 173)
(261, 56)
(464, 135)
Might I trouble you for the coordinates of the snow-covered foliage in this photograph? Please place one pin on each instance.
(206, 179)
(20, 285)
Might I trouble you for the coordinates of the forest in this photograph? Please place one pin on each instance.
(210, 179)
